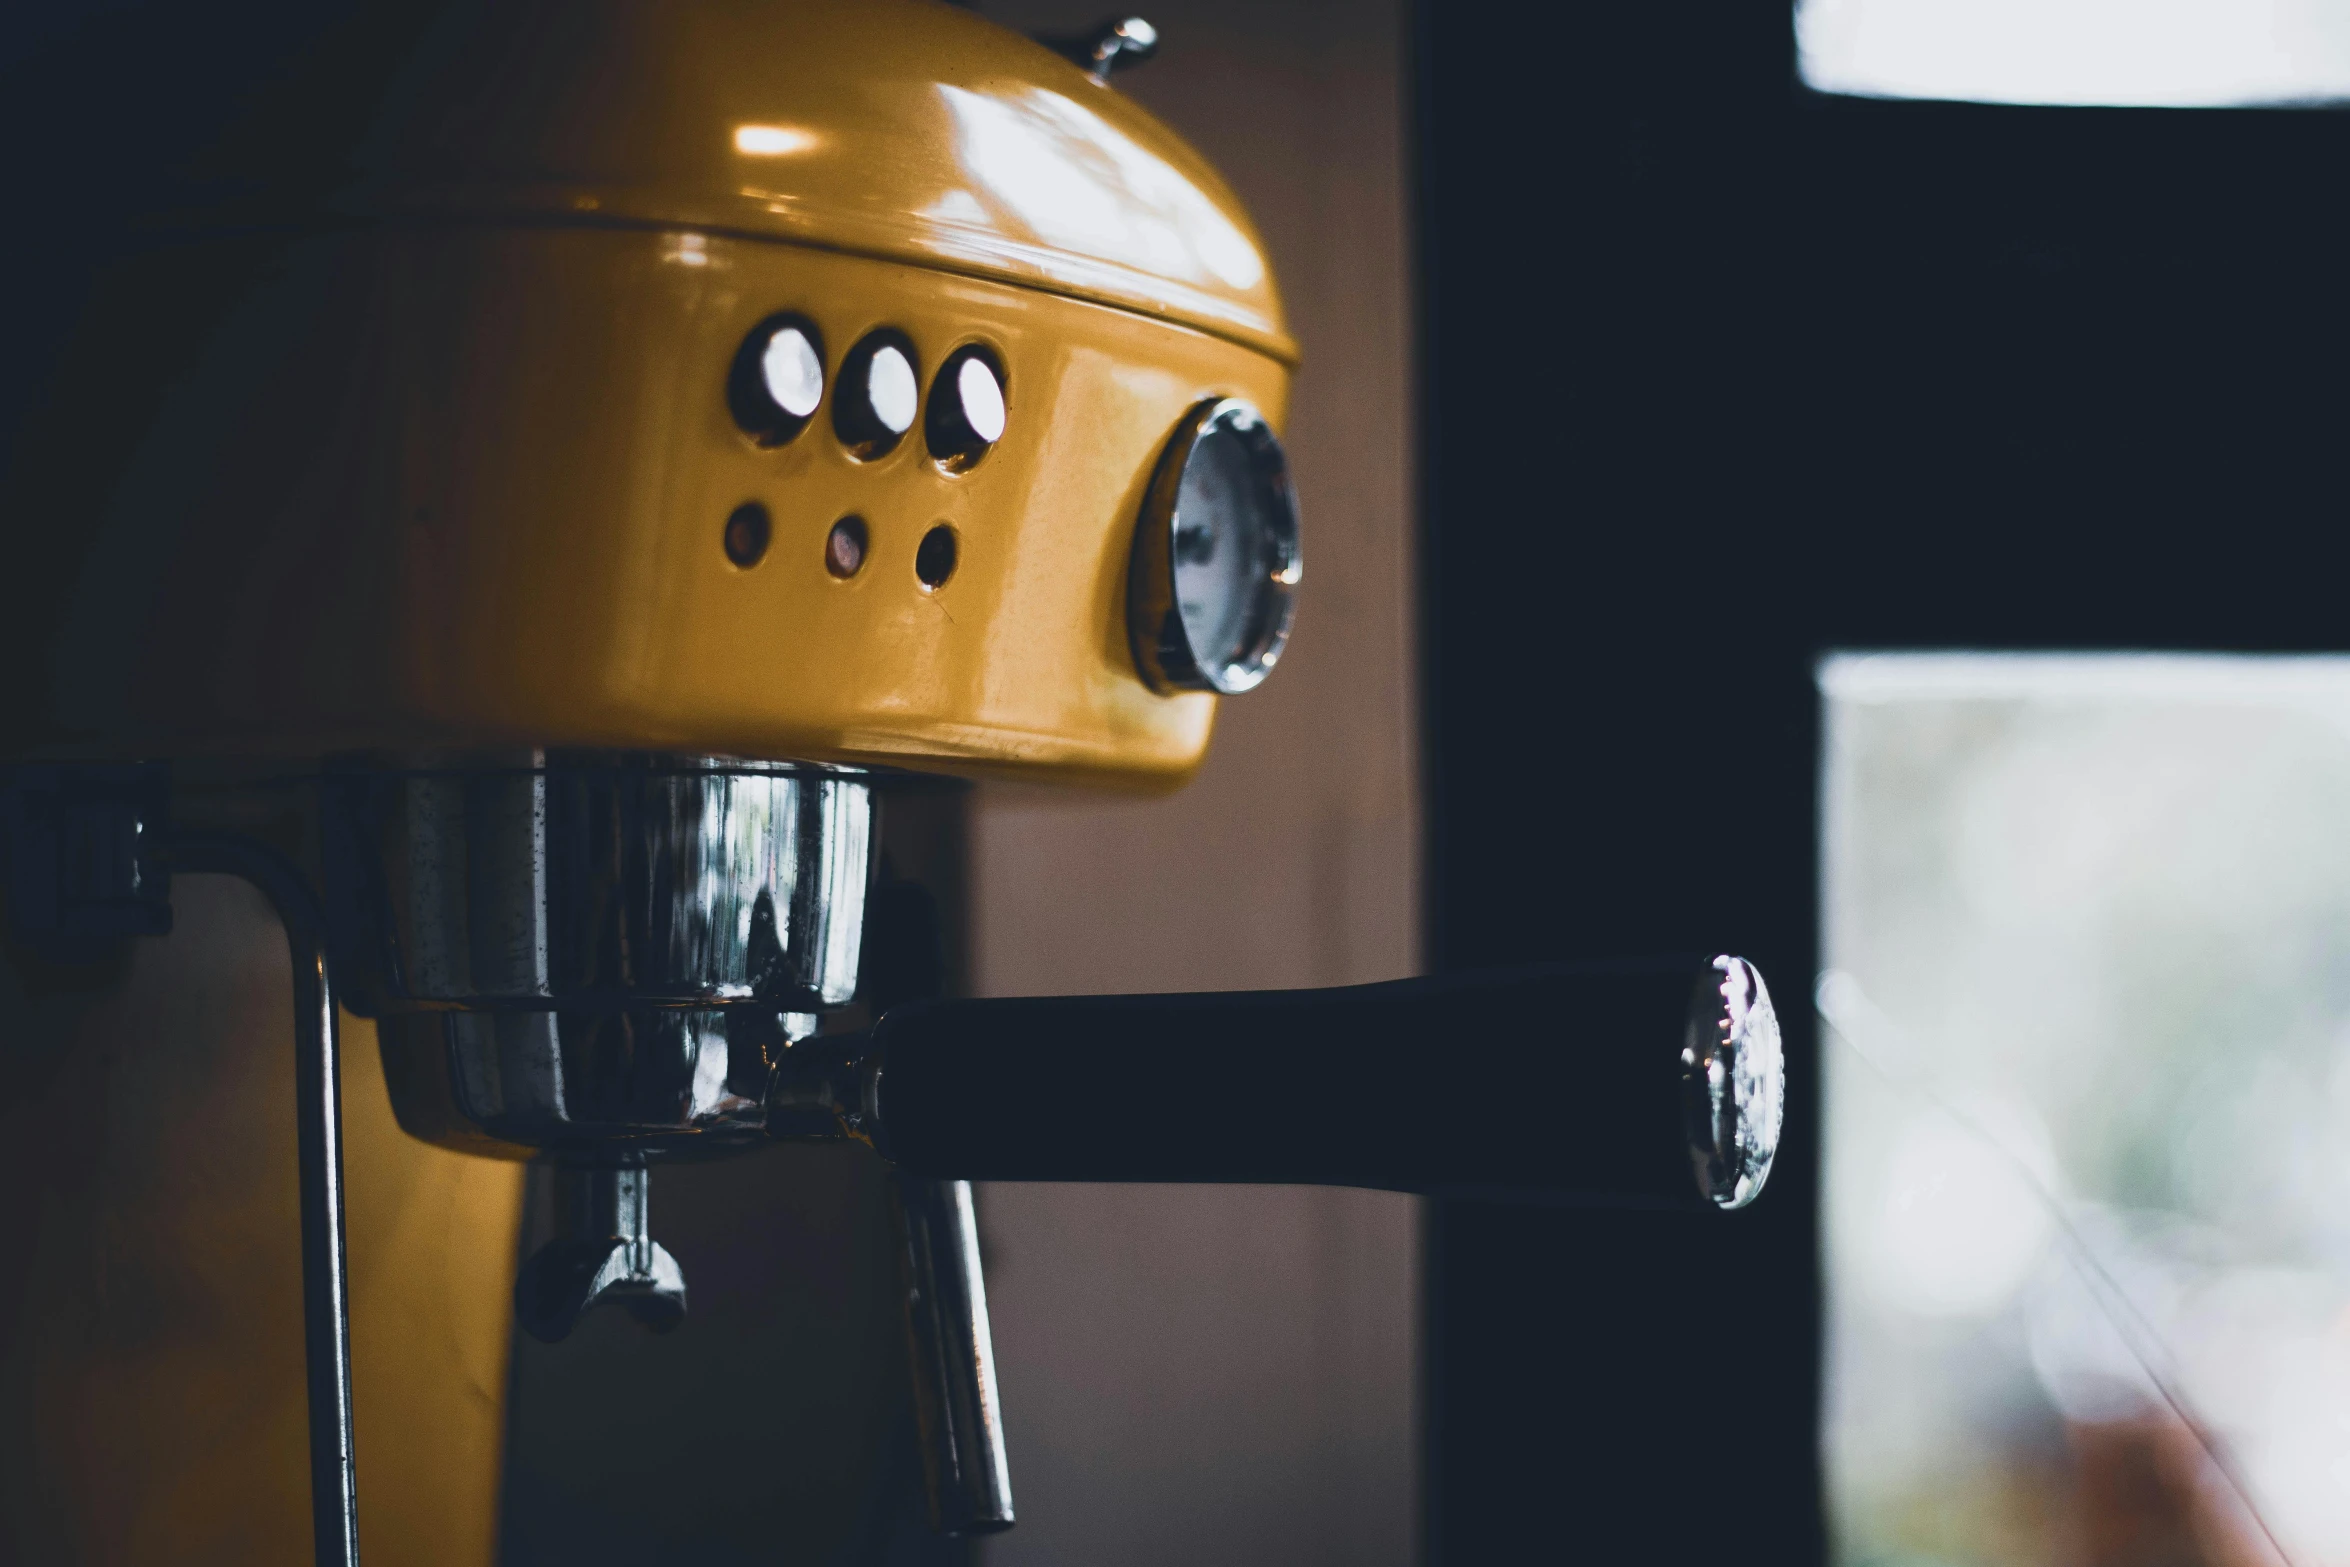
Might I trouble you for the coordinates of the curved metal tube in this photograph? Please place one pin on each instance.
(318, 1088)
(964, 1468)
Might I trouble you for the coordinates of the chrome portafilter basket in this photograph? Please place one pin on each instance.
(599, 960)
(581, 956)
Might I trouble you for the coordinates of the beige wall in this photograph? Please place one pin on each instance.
(1225, 1373)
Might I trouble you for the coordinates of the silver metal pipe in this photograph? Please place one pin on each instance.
(962, 1427)
(318, 1090)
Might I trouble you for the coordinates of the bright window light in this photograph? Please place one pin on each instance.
(2086, 1053)
(2185, 54)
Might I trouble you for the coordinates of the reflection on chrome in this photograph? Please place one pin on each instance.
(1061, 171)
(1733, 1083)
(584, 948)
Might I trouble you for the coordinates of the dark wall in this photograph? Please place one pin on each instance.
(1718, 374)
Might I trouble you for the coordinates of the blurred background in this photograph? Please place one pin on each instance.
(2085, 985)
(2088, 928)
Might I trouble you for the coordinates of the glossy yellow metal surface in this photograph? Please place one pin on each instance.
(468, 487)
(151, 1382)
(903, 129)
(458, 467)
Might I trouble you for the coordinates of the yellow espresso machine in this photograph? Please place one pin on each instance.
(514, 482)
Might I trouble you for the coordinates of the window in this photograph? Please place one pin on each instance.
(2155, 53)
(2086, 1051)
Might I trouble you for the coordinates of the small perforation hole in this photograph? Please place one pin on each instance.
(844, 547)
(934, 561)
(747, 533)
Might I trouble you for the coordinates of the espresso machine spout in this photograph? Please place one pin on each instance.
(603, 1254)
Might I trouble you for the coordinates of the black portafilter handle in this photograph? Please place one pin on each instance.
(1654, 1084)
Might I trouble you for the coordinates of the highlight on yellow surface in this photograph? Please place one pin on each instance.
(773, 141)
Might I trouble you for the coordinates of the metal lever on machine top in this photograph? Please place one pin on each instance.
(1647, 1085)
(1117, 43)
